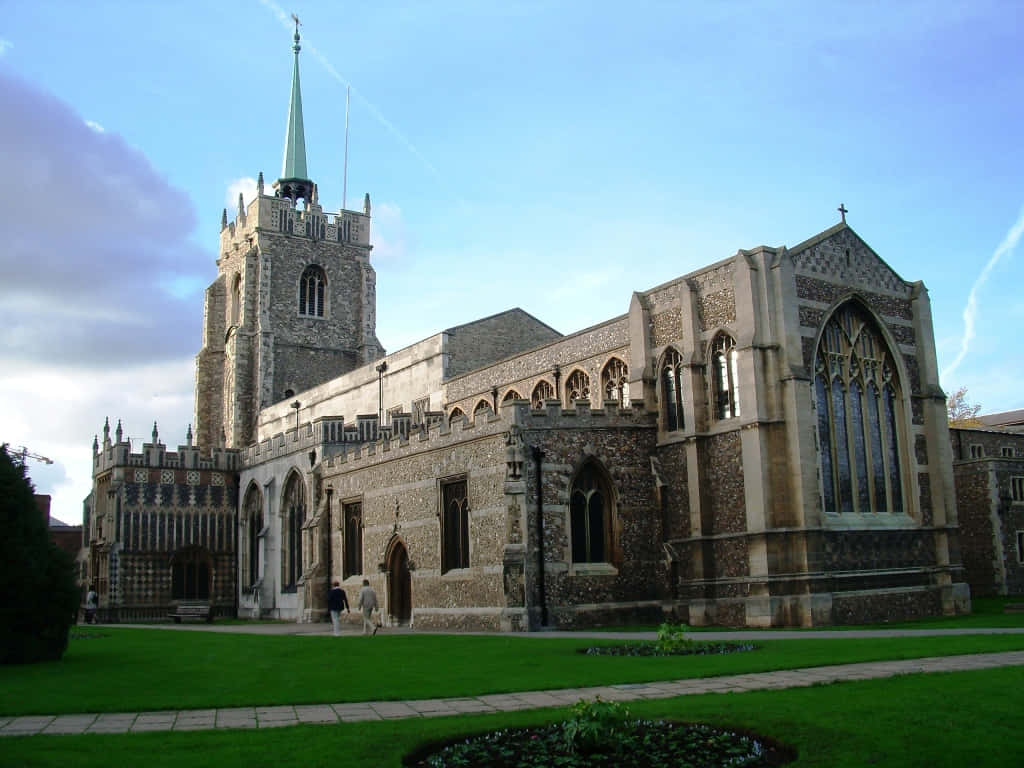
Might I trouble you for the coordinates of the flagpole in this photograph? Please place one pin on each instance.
(344, 181)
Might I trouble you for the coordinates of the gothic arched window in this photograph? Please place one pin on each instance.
(577, 387)
(725, 377)
(455, 415)
(615, 382)
(252, 520)
(511, 395)
(483, 408)
(293, 514)
(857, 396)
(590, 502)
(353, 528)
(454, 525)
(543, 391)
(672, 390)
(236, 300)
(312, 292)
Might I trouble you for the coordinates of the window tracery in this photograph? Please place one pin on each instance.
(253, 517)
(725, 377)
(543, 391)
(455, 415)
(454, 525)
(293, 511)
(312, 291)
(859, 409)
(672, 390)
(511, 395)
(577, 386)
(590, 515)
(353, 531)
(615, 382)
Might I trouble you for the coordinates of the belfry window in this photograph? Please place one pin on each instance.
(293, 514)
(859, 409)
(577, 387)
(454, 526)
(312, 292)
(543, 391)
(353, 527)
(236, 300)
(672, 390)
(615, 382)
(590, 515)
(725, 377)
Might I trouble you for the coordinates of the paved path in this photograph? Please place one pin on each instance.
(274, 717)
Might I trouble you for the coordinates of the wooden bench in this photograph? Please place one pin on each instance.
(192, 609)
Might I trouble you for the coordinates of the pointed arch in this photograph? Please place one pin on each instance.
(859, 402)
(615, 382)
(454, 524)
(352, 531)
(236, 300)
(511, 395)
(293, 514)
(455, 415)
(577, 387)
(312, 291)
(670, 372)
(591, 504)
(543, 391)
(725, 385)
(252, 526)
(483, 409)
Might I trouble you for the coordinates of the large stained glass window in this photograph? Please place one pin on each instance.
(857, 395)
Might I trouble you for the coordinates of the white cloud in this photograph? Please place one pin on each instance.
(5, 46)
(95, 126)
(246, 186)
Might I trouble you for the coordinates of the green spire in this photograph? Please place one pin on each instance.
(294, 182)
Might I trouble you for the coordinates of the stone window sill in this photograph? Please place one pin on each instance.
(593, 569)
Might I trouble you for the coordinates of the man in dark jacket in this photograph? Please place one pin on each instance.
(336, 603)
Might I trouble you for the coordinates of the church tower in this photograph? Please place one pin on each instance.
(294, 301)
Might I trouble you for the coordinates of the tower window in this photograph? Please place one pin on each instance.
(312, 292)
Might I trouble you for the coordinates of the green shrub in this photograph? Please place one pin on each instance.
(594, 726)
(672, 639)
(38, 596)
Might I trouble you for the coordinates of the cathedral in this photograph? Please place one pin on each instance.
(761, 442)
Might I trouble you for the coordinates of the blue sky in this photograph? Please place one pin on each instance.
(553, 156)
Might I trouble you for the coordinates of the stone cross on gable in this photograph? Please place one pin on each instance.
(843, 210)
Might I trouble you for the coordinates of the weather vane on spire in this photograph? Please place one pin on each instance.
(297, 22)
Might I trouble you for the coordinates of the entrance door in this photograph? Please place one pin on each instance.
(399, 585)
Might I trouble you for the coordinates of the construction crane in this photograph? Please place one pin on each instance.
(25, 454)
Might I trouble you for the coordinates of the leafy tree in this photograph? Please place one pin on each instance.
(38, 596)
(960, 412)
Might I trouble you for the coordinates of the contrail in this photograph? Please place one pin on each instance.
(286, 22)
(971, 310)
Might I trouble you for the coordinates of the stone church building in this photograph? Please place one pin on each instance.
(759, 442)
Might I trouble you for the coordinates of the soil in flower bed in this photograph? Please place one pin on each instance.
(645, 744)
(648, 649)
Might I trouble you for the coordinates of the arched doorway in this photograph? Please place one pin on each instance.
(399, 585)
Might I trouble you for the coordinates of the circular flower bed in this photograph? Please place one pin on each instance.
(637, 744)
(652, 649)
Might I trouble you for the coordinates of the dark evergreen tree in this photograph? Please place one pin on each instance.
(38, 596)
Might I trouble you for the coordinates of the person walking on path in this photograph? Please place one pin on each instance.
(337, 601)
(367, 603)
(91, 603)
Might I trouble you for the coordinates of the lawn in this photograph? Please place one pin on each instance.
(915, 721)
(121, 669)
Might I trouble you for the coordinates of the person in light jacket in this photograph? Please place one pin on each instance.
(367, 603)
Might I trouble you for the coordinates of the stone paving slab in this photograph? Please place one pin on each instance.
(287, 715)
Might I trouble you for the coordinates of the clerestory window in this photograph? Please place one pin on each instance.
(672, 390)
(577, 387)
(725, 375)
(615, 382)
(542, 392)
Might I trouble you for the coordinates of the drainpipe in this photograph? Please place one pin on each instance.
(538, 457)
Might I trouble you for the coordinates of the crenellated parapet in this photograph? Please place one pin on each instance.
(280, 214)
(116, 453)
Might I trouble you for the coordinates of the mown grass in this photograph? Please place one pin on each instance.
(121, 669)
(917, 721)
